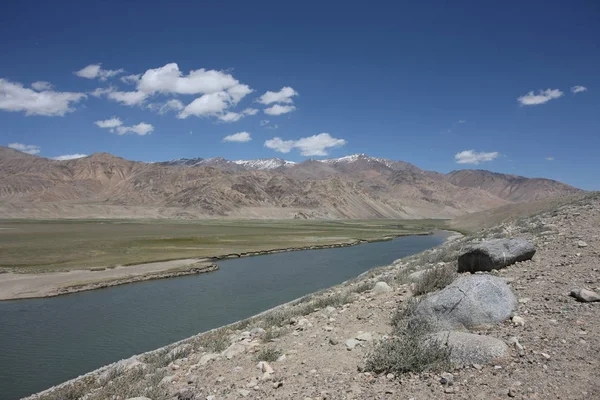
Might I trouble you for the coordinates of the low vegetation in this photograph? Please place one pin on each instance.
(410, 348)
(268, 354)
(41, 246)
(434, 279)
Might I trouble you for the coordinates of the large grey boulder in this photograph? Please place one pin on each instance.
(495, 254)
(470, 302)
(468, 348)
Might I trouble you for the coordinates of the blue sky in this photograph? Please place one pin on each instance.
(430, 82)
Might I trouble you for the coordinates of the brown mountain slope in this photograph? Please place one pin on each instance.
(359, 186)
(511, 187)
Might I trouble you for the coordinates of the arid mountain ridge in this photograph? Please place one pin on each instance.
(356, 186)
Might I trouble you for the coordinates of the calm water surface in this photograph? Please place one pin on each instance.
(47, 341)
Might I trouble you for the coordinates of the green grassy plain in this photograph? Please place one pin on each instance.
(44, 246)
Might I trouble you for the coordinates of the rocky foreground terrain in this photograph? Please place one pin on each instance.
(355, 187)
(533, 332)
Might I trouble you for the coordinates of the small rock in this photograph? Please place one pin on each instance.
(333, 341)
(243, 392)
(390, 376)
(545, 355)
(265, 367)
(581, 244)
(330, 309)
(524, 300)
(277, 385)
(282, 358)
(585, 296)
(207, 357)
(449, 390)
(512, 392)
(351, 344)
(516, 320)
(447, 379)
(364, 337)
(257, 331)
(381, 287)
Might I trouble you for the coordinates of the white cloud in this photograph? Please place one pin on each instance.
(131, 79)
(238, 92)
(543, 96)
(279, 109)
(240, 137)
(549, 158)
(231, 116)
(41, 86)
(69, 157)
(206, 105)
(264, 122)
(95, 71)
(169, 79)
(140, 129)
(14, 97)
(316, 145)
(578, 89)
(474, 157)
(127, 98)
(171, 105)
(461, 121)
(25, 148)
(109, 123)
(282, 146)
(116, 125)
(283, 96)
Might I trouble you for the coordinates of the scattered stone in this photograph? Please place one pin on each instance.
(495, 254)
(585, 296)
(470, 349)
(330, 309)
(333, 341)
(581, 244)
(381, 287)
(390, 376)
(351, 344)
(469, 302)
(277, 385)
(516, 320)
(282, 358)
(257, 331)
(265, 367)
(364, 337)
(512, 392)
(243, 392)
(205, 359)
(234, 350)
(447, 379)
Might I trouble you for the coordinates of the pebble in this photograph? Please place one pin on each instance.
(447, 379)
(516, 320)
(351, 344)
(390, 376)
(243, 392)
(581, 244)
(333, 341)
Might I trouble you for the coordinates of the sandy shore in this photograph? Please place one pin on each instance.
(24, 286)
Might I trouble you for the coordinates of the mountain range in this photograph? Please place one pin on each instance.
(356, 186)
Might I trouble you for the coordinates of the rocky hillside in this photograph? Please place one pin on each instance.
(357, 186)
(527, 329)
(510, 187)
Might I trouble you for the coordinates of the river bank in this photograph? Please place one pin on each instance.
(14, 286)
(316, 347)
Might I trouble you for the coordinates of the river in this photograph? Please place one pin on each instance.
(46, 341)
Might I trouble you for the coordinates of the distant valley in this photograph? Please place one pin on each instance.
(355, 187)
